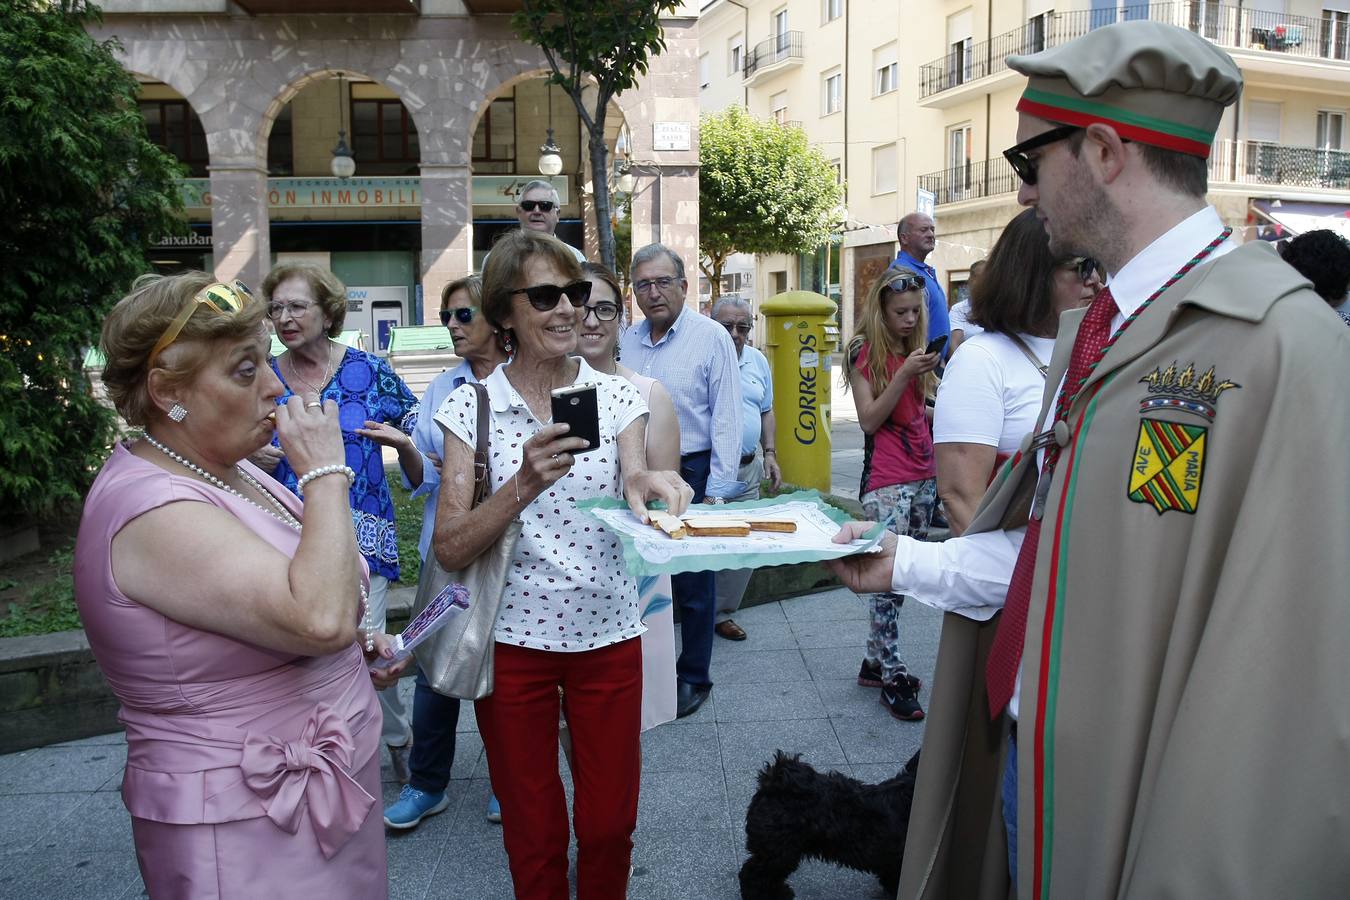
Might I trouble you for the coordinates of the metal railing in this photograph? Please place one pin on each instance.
(779, 48)
(987, 178)
(1228, 26)
(1279, 165)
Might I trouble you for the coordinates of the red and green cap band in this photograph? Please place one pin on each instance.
(1131, 123)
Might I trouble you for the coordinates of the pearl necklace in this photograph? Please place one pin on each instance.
(285, 517)
(280, 512)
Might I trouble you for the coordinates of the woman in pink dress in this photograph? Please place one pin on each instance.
(228, 631)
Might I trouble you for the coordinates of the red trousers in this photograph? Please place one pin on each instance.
(602, 700)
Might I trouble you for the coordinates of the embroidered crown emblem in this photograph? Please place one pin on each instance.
(1184, 389)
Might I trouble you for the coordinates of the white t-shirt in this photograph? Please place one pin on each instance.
(960, 318)
(991, 393)
(567, 589)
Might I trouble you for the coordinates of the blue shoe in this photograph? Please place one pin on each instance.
(494, 810)
(413, 806)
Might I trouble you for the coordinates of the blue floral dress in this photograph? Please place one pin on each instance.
(365, 388)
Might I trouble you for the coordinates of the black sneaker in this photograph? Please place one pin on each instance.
(901, 700)
(869, 675)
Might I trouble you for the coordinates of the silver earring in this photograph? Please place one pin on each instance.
(177, 413)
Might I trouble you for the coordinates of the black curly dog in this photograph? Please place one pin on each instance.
(799, 812)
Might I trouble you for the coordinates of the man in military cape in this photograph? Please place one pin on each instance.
(1179, 724)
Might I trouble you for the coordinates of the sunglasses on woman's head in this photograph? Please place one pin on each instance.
(907, 283)
(545, 297)
(227, 299)
(541, 205)
(463, 315)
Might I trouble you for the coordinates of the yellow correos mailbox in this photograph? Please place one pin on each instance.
(800, 333)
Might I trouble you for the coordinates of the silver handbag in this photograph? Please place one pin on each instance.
(457, 659)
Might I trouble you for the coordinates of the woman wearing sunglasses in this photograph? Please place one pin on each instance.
(479, 346)
(307, 305)
(991, 391)
(228, 617)
(569, 614)
(602, 321)
(892, 378)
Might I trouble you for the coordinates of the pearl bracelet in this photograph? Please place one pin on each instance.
(320, 472)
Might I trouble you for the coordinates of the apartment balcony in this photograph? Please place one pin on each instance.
(972, 181)
(1259, 40)
(1287, 169)
(780, 52)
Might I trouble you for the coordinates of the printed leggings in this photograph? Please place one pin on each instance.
(912, 504)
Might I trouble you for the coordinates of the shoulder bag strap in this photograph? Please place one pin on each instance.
(480, 453)
(1031, 357)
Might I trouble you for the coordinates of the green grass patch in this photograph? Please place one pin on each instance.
(408, 525)
(46, 604)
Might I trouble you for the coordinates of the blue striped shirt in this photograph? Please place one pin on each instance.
(428, 438)
(696, 363)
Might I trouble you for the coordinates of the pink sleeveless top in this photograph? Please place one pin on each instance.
(220, 730)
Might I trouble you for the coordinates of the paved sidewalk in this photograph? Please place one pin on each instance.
(65, 834)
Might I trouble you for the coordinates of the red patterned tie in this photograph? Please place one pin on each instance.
(1006, 655)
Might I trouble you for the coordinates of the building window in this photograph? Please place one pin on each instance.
(778, 107)
(831, 92)
(280, 146)
(887, 69)
(960, 143)
(383, 132)
(782, 39)
(1336, 34)
(494, 141)
(838, 166)
(704, 74)
(174, 126)
(884, 169)
(1330, 130)
(1037, 29)
(833, 10)
(960, 59)
(735, 54)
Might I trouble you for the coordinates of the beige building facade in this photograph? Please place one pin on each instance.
(925, 106)
(444, 110)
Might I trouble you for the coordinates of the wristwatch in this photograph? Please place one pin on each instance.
(716, 501)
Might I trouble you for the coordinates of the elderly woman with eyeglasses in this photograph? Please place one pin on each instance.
(307, 305)
(569, 616)
(992, 388)
(226, 615)
(479, 346)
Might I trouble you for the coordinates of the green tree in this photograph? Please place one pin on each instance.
(606, 44)
(762, 189)
(83, 193)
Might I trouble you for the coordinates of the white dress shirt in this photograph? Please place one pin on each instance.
(970, 574)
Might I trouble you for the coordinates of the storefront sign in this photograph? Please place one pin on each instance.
(369, 193)
(193, 240)
(672, 136)
(501, 190)
(320, 193)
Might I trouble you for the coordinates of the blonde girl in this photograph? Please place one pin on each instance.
(892, 378)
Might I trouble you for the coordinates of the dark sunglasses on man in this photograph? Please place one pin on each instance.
(1025, 166)
(738, 327)
(541, 205)
(545, 297)
(463, 315)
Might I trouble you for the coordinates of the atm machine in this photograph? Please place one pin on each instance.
(376, 311)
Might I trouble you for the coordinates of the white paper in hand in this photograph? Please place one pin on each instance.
(447, 603)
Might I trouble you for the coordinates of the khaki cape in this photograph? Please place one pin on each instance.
(1184, 723)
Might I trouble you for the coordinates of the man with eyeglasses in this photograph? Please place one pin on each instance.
(1160, 708)
(695, 361)
(757, 428)
(917, 234)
